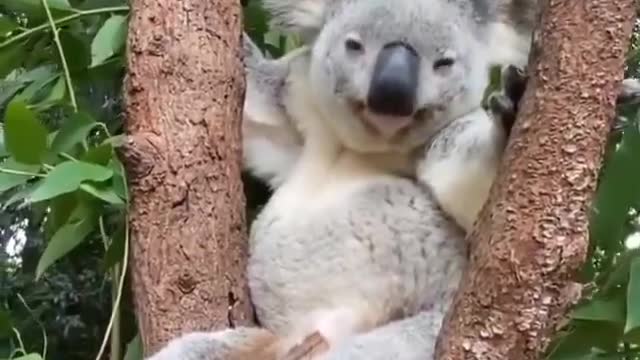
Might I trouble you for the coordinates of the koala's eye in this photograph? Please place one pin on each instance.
(353, 44)
(443, 62)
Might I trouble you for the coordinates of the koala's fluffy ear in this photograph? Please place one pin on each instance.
(304, 17)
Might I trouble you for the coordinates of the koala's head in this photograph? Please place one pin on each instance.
(389, 73)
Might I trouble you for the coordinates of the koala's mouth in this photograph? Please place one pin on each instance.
(386, 125)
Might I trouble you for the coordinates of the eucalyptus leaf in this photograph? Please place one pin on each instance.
(134, 349)
(24, 136)
(81, 222)
(109, 40)
(67, 177)
(7, 25)
(73, 131)
(610, 309)
(13, 173)
(102, 192)
(31, 356)
(632, 327)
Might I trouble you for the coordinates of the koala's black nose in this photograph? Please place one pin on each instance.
(394, 82)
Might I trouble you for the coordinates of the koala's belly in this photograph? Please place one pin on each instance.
(385, 246)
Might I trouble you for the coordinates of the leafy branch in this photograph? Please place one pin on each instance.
(60, 21)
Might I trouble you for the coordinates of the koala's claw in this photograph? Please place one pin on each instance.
(503, 110)
(311, 346)
(514, 82)
(503, 104)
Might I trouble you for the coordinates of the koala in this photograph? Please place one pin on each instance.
(379, 154)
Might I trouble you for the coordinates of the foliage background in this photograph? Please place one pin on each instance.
(63, 294)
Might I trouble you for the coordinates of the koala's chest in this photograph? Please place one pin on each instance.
(390, 229)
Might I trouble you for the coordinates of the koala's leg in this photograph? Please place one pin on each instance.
(413, 338)
(229, 344)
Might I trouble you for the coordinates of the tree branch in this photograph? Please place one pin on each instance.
(184, 92)
(532, 235)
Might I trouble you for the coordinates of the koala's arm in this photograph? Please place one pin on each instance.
(460, 164)
(271, 141)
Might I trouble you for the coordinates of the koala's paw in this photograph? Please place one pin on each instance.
(503, 104)
(221, 345)
(193, 346)
(312, 346)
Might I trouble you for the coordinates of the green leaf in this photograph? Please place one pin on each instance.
(102, 192)
(134, 349)
(632, 327)
(56, 94)
(579, 342)
(5, 324)
(10, 57)
(73, 131)
(6, 25)
(67, 177)
(8, 89)
(100, 155)
(119, 180)
(61, 208)
(610, 309)
(38, 73)
(3, 148)
(34, 7)
(20, 195)
(109, 39)
(617, 192)
(115, 251)
(32, 356)
(619, 274)
(24, 136)
(78, 50)
(35, 89)
(80, 223)
(10, 180)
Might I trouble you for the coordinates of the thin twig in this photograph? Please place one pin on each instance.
(116, 304)
(40, 324)
(114, 354)
(63, 59)
(18, 172)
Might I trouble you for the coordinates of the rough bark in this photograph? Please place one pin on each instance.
(531, 237)
(184, 90)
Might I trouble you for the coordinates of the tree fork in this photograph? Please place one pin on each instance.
(532, 235)
(184, 93)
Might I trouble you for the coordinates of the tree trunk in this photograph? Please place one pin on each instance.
(185, 89)
(531, 237)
